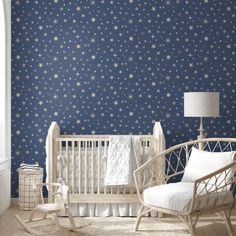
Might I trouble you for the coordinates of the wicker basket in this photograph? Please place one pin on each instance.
(27, 179)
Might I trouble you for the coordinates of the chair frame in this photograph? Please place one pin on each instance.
(147, 175)
(48, 213)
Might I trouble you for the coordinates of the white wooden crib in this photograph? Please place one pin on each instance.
(80, 161)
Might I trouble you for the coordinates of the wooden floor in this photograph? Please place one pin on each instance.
(102, 226)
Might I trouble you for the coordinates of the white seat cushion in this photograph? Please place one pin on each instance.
(48, 207)
(202, 163)
(178, 196)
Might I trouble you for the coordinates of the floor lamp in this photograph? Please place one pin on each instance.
(201, 104)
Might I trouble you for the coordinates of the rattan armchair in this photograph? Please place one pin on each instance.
(211, 193)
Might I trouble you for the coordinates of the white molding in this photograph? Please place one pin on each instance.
(5, 194)
(5, 139)
(7, 14)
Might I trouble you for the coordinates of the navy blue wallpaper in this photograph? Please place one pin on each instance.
(110, 67)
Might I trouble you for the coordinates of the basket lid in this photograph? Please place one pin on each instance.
(30, 172)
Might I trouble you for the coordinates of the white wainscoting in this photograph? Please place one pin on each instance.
(5, 184)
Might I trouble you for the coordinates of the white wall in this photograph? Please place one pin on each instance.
(5, 104)
(5, 79)
(2, 84)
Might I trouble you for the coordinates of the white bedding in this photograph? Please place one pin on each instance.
(107, 209)
(123, 159)
(118, 160)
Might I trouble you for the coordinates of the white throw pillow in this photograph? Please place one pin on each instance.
(202, 163)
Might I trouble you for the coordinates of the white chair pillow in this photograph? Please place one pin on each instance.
(178, 196)
(202, 163)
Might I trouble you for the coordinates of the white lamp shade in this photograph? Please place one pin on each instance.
(201, 104)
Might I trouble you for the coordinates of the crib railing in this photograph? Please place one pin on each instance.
(80, 162)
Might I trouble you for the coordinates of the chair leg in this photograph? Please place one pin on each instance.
(191, 226)
(190, 223)
(56, 221)
(44, 216)
(226, 217)
(71, 220)
(27, 228)
(139, 216)
(195, 222)
(31, 215)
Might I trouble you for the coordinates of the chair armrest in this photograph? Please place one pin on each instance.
(46, 184)
(39, 188)
(221, 180)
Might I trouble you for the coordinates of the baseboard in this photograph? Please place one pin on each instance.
(14, 201)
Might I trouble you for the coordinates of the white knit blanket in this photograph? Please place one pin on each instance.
(123, 158)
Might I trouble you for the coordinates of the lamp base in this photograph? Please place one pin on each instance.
(201, 130)
(201, 135)
(202, 144)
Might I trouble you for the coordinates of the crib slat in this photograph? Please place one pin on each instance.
(105, 164)
(60, 152)
(124, 190)
(79, 155)
(86, 168)
(99, 157)
(68, 163)
(92, 160)
(143, 149)
(73, 166)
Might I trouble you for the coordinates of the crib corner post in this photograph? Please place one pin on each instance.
(159, 146)
(159, 138)
(53, 132)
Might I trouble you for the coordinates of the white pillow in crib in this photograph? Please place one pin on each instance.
(202, 163)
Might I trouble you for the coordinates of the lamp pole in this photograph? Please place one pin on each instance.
(201, 135)
(201, 130)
